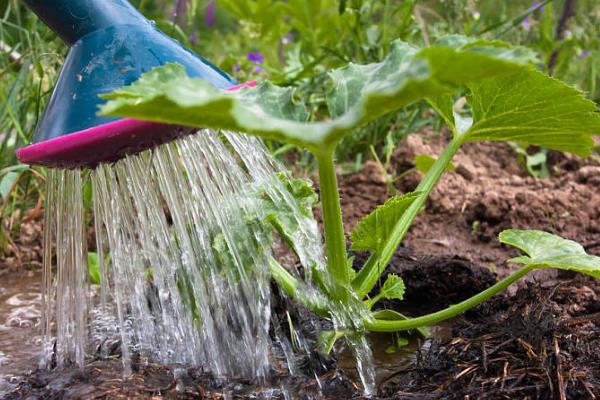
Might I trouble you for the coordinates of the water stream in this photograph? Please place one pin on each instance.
(183, 260)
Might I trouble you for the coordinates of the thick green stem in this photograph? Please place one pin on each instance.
(447, 313)
(297, 290)
(335, 239)
(368, 276)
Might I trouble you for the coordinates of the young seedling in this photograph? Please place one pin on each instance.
(506, 100)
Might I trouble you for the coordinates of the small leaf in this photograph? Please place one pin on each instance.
(327, 339)
(7, 182)
(545, 250)
(303, 192)
(393, 288)
(371, 232)
(401, 342)
(424, 163)
(391, 350)
(94, 268)
(281, 214)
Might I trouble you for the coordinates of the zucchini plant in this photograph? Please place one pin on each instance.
(507, 99)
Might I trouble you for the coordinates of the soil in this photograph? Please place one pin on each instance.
(487, 192)
(537, 342)
(104, 380)
(24, 252)
(541, 343)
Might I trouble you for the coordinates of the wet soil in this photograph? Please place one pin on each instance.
(541, 343)
(538, 342)
(25, 250)
(318, 376)
(104, 380)
(20, 314)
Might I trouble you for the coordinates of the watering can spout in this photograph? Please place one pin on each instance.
(111, 45)
(73, 19)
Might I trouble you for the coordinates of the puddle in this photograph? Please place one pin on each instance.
(388, 357)
(20, 300)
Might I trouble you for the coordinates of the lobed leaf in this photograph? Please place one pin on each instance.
(545, 250)
(533, 108)
(393, 288)
(371, 232)
(361, 93)
(424, 162)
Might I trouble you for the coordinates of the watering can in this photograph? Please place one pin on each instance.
(111, 45)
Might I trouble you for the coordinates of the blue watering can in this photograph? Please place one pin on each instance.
(111, 45)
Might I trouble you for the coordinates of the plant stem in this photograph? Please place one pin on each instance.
(296, 289)
(450, 312)
(367, 277)
(335, 239)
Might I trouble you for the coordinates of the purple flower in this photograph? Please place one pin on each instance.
(583, 54)
(526, 23)
(256, 57)
(257, 69)
(209, 13)
(287, 38)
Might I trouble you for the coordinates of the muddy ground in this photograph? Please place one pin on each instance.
(538, 342)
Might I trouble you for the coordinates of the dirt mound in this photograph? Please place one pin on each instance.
(488, 191)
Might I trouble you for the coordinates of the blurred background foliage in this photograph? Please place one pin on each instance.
(295, 43)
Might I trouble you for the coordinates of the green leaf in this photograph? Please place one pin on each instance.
(166, 94)
(94, 268)
(351, 271)
(7, 182)
(327, 339)
(283, 218)
(424, 162)
(372, 231)
(444, 106)
(303, 192)
(361, 93)
(393, 288)
(545, 250)
(533, 108)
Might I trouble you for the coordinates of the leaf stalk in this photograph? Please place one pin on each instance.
(368, 276)
(447, 313)
(335, 238)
